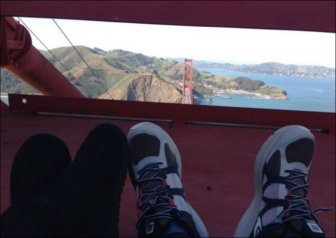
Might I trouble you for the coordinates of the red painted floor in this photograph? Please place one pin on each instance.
(218, 157)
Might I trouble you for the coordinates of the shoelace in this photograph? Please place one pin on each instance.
(153, 197)
(298, 202)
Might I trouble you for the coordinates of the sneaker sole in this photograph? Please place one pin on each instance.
(285, 135)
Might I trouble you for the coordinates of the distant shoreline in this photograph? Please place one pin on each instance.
(242, 92)
(258, 95)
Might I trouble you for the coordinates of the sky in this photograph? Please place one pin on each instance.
(225, 45)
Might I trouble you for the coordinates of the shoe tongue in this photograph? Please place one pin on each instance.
(150, 185)
(301, 192)
(156, 191)
(298, 182)
(153, 181)
(307, 228)
(304, 227)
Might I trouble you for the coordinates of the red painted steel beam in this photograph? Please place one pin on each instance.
(286, 15)
(178, 113)
(4, 107)
(20, 57)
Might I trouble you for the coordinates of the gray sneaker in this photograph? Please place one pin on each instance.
(156, 175)
(280, 207)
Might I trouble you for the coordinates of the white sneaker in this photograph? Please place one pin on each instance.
(280, 207)
(156, 175)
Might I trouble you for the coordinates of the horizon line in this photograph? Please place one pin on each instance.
(205, 60)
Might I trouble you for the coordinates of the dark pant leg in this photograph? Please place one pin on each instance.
(37, 164)
(86, 198)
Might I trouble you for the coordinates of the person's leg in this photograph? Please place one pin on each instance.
(156, 175)
(280, 207)
(37, 164)
(86, 198)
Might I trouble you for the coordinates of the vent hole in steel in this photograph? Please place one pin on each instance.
(24, 101)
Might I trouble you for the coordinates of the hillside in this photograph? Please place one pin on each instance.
(148, 88)
(10, 83)
(134, 76)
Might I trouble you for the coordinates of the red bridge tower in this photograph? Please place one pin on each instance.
(187, 96)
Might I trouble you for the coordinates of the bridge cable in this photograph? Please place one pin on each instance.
(90, 69)
(50, 52)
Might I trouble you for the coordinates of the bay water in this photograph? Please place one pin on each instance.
(304, 94)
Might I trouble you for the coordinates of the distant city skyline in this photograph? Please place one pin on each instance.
(223, 45)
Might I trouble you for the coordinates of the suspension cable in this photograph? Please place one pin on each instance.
(90, 69)
(50, 52)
